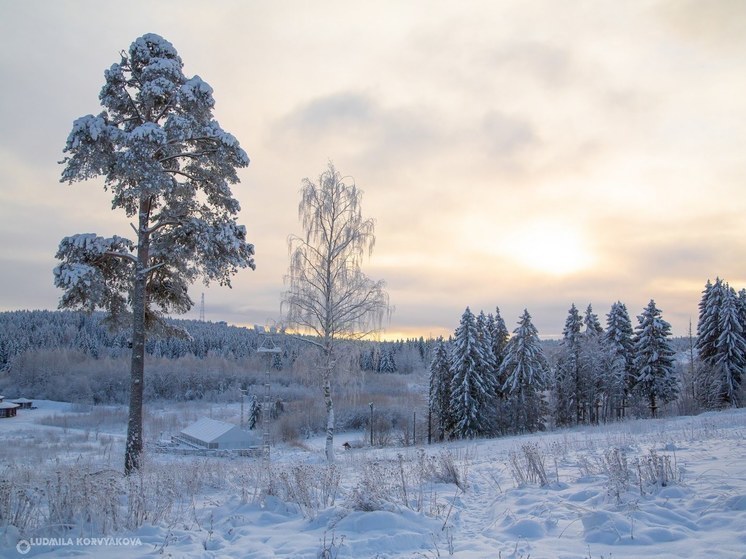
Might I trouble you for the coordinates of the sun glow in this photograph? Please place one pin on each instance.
(549, 248)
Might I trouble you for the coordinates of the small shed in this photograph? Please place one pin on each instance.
(216, 435)
(8, 409)
(23, 403)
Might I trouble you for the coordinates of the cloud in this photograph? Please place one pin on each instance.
(716, 23)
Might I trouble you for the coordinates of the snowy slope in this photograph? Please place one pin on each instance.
(586, 509)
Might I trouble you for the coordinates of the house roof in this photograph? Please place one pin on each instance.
(23, 401)
(207, 429)
(7, 405)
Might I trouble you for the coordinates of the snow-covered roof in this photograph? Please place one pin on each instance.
(207, 429)
(23, 401)
(7, 405)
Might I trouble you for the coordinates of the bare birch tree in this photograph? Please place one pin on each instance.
(169, 166)
(328, 296)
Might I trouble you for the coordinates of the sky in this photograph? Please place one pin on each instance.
(520, 154)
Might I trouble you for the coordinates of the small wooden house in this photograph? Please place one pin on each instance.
(23, 403)
(8, 409)
(217, 435)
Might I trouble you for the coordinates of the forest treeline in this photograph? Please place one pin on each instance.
(485, 382)
(74, 356)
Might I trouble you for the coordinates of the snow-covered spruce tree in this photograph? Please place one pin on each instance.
(439, 399)
(470, 390)
(328, 296)
(499, 335)
(489, 363)
(730, 351)
(721, 344)
(387, 363)
(592, 365)
(169, 166)
(655, 374)
(617, 341)
(526, 375)
(708, 325)
(568, 382)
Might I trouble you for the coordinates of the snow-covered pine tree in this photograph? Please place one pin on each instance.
(592, 365)
(730, 350)
(618, 346)
(526, 375)
(169, 166)
(470, 391)
(709, 377)
(655, 374)
(255, 412)
(440, 390)
(500, 336)
(568, 385)
(489, 365)
(387, 363)
(708, 325)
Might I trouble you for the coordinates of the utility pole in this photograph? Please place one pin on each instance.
(269, 348)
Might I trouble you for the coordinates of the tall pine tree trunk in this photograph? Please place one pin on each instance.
(134, 444)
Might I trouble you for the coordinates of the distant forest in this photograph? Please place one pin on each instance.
(73, 356)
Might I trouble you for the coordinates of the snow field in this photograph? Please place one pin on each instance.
(648, 488)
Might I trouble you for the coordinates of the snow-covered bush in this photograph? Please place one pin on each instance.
(655, 471)
(527, 465)
(311, 487)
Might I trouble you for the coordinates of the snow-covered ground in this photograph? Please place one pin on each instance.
(668, 488)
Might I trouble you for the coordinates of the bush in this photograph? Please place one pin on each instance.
(527, 465)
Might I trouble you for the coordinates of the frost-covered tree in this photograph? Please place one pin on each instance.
(328, 296)
(169, 165)
(708, 325)
(592, 365)
(655, 374)
(617, 341)
(440, 390)
(526, 375)
(387, 362)
(255, 412)
(729, 359)
(499, 333)
(721, 344)
(470, 390)
(568, 382)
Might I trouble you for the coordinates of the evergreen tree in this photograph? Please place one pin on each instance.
(489, 360)
(169, 166)
(387, 363)
(526, 372)
(708, 326)
(655, 376)
(592, 325)
(470, 394)
(730, 350)
(255, 412)
(721, 344)
(619, 350)
(592, 365)
(568, 408)
(440, 390)
(499, 336)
